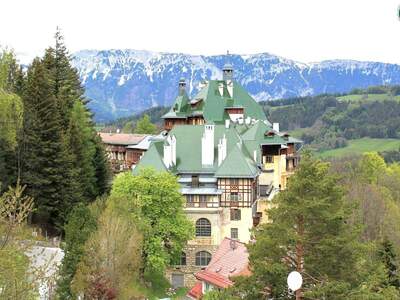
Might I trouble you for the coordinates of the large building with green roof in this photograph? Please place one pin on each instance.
(230, 163)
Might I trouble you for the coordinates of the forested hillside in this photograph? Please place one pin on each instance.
(331, 121)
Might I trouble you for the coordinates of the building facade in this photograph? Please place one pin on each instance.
(124, 150)
(229, 167)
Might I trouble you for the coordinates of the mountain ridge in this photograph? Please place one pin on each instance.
(124, 82)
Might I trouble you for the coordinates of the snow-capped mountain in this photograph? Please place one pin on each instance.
(123, 82)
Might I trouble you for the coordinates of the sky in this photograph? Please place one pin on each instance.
(302, 30)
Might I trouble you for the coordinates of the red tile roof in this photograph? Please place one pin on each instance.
(196, 291)
(121, 138)
(230, 259)
(214, 278)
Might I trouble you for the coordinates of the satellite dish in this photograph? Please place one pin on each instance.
(294, 280)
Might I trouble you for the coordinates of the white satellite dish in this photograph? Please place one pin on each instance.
(294, 280)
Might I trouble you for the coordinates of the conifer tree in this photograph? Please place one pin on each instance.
(87, 167)
(81, 135)
(45, 160)
(103, 169)
(388, 256)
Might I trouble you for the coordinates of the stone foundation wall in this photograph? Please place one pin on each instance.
(190, 268)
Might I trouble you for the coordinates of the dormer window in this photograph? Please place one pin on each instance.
(269, 133)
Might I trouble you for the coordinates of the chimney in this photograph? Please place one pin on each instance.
(173, 150)
(170, 151)
(227, 123)
(167, 155)
(275, 126)
(221, 150)
(255, 155)
(207, 146)
(227, 72)
(221, 89)
(182, 86)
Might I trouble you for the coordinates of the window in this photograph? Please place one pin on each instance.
(203, 258)
(203, 200)
(203, 227)
(236, 214)
(234, 196)
(181, 260)
(195, 181)
(190, 200)
(234, 233)
(269, 159)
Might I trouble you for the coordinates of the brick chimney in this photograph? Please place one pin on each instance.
(182, 86)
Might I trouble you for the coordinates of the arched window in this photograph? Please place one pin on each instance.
(180, 260)
(203, 227)
(203, 258)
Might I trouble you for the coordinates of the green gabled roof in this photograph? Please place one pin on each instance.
(180, 107)
(153, 157)
(181, 103)
(256, 132)
(213, 105)
(251, 107)
(237, 164)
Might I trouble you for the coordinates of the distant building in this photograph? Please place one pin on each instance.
(124, 150)
(229, 260)
(229, 165)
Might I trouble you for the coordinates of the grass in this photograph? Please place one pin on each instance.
(368, 97)
(360, 146)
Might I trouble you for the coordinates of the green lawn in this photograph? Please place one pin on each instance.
(360, 146)
(368, 97)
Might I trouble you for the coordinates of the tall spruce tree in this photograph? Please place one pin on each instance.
(44, 149)
(81, 137)
(66, 85)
